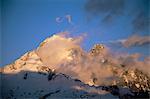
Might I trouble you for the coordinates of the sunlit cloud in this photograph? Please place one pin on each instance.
(64, 54)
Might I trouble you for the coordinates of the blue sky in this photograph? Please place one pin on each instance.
(26, 23)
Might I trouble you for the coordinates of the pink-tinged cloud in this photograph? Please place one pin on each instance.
(136, 40)
(64, 54)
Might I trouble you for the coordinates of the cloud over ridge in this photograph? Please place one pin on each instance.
(67, 56)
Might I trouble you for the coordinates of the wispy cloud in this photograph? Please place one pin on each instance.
(111, 10)
(67, 18)
(59, 19)
(136, 40)
(107, 8)
(132, 41)
(141, 21)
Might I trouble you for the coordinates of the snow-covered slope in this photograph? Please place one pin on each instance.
(28, 78)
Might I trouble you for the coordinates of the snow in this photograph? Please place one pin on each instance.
(27, 77)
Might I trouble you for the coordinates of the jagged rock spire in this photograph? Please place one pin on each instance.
(97, 49)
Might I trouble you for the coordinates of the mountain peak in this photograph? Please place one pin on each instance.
(97, 49)
(59, 68)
